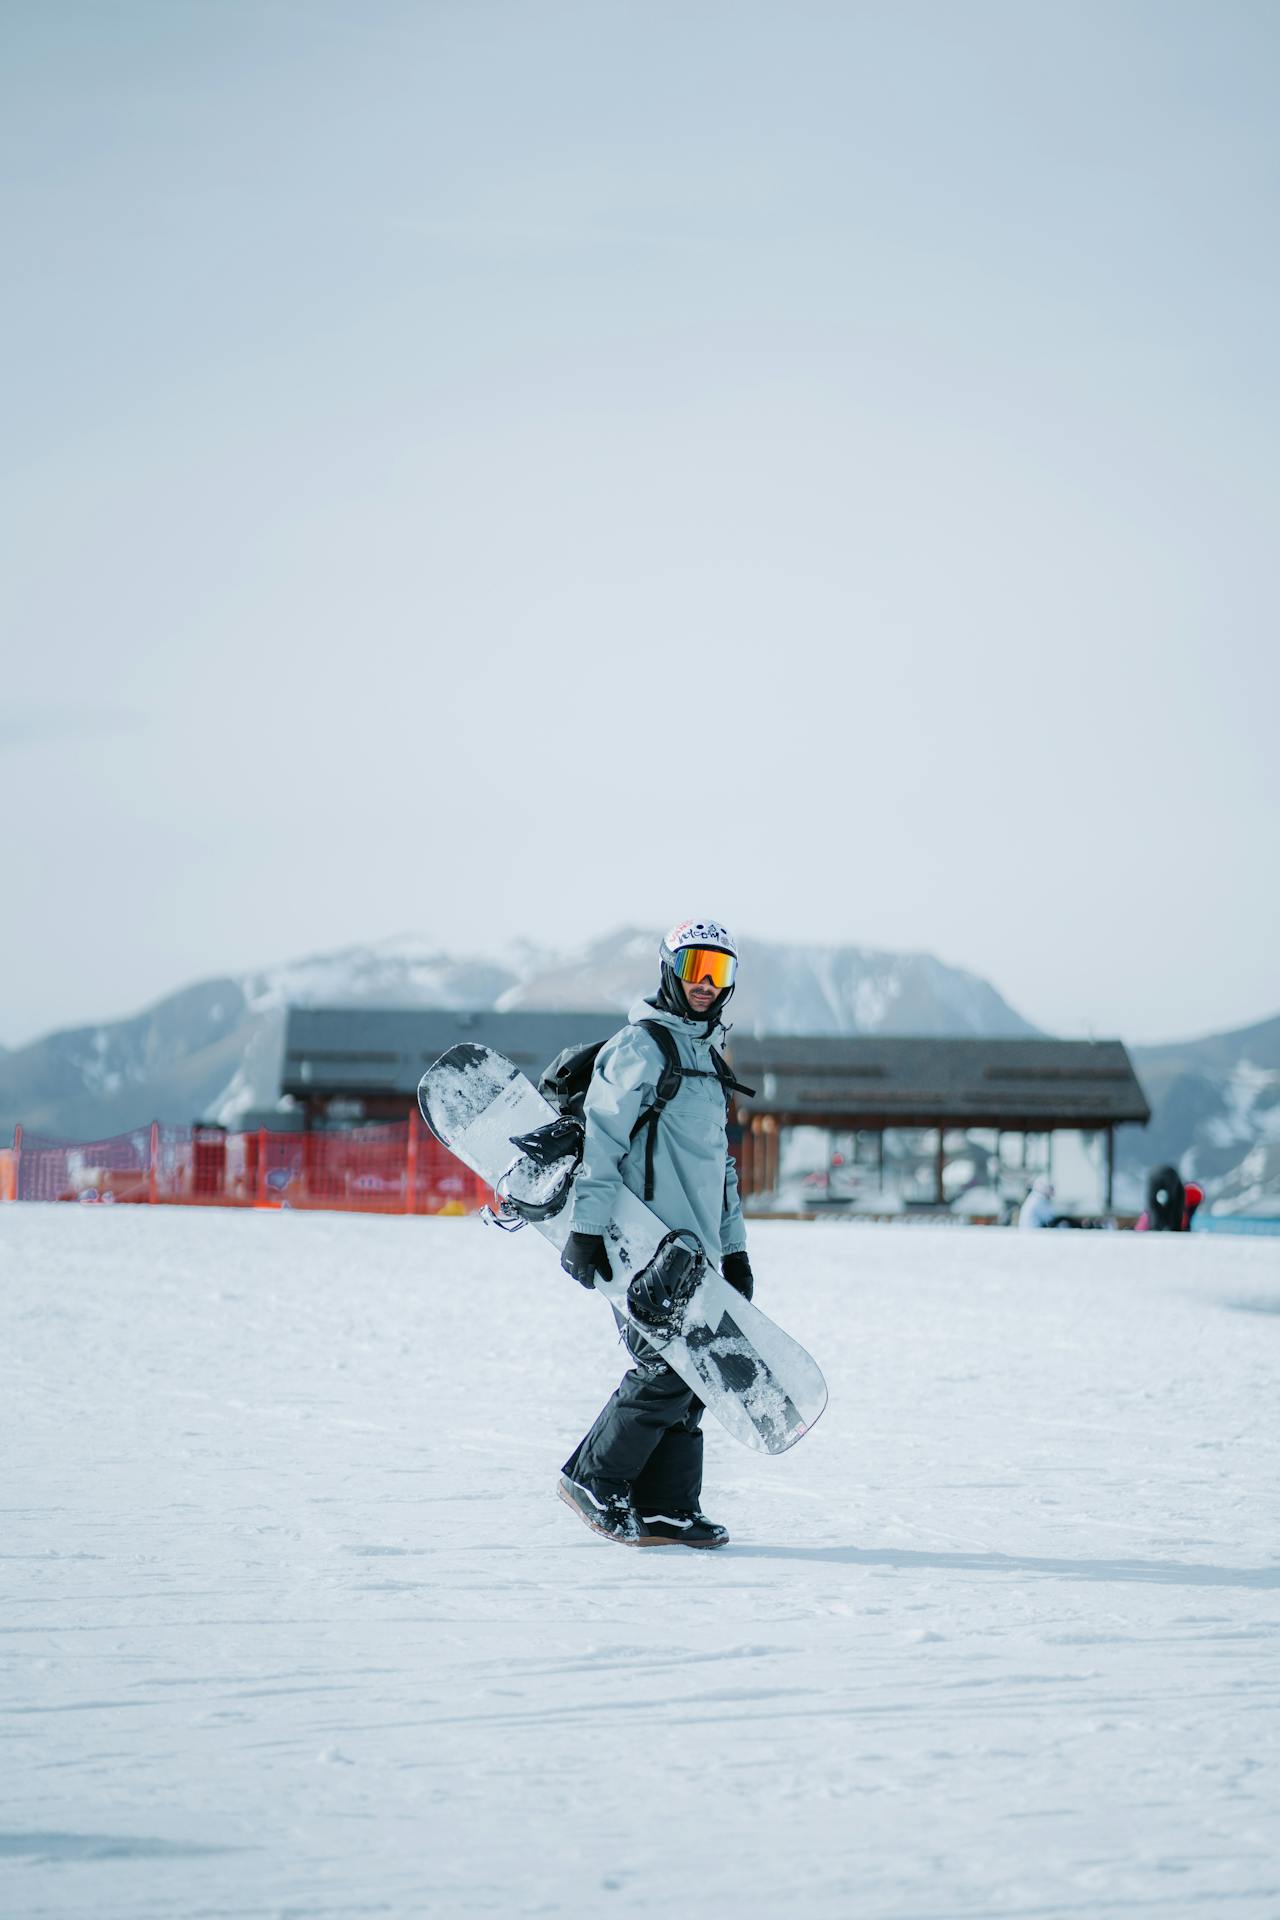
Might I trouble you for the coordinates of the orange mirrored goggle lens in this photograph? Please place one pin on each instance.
(696, 964)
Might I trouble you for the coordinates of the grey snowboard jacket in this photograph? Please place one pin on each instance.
(695, 1183)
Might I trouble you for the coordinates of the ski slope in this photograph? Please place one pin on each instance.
(293, 1624)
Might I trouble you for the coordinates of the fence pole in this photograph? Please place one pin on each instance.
(411, 1164)
(17, 1160)
(260, 1199)
(153, 1162)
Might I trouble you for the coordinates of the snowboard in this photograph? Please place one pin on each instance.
(757, 1381)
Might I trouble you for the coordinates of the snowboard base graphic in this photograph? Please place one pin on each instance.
(755, 1379)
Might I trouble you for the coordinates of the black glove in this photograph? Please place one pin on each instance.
(584, 1257)
(736, 1269)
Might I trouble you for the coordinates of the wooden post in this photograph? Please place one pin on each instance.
(880, 1138)
(770, 1153)
(153, 1166)
(1111, 1166)
(411, 1163)
(260, 1198)
(939, 1166)
(17, 1160)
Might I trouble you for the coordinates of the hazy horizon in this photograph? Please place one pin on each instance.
(519, 471)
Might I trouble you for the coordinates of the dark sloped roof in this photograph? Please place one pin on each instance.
(332, 1051)
(919, 1082)
(374, 1050)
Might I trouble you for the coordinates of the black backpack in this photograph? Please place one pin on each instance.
(565, 1083)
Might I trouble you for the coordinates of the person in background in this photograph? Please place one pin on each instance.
(1166, 1203)
(1037, 1208)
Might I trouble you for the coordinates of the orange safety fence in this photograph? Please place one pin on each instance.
(398, 1168)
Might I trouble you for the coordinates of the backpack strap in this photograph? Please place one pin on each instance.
(666, 1090)
(669, 1086)
(672, 1072)
(724, 1073)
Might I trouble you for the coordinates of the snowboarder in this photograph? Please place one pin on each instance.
(637, 1475)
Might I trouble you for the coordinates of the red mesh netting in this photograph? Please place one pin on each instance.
(399, 1168)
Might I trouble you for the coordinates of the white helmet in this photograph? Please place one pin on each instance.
(698, 936)
(697, 933)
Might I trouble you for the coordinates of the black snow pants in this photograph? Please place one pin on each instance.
(646, 1438)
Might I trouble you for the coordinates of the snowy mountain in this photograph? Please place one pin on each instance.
(1216, 1114)
(214, 1048)
(789, 989)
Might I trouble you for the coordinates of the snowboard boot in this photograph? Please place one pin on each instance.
(685, 1528)
(611, 1514)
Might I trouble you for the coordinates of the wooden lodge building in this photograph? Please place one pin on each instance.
(347, 1065)
(868, 1084)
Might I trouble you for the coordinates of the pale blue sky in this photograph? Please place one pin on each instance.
(505, 469)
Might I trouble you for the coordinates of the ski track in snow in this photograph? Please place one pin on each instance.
(293, 1623)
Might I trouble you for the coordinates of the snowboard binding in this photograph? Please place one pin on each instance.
(558, 1140)
(536, 1186)
(659, 1293)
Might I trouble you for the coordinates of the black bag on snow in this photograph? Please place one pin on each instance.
(564, 1085)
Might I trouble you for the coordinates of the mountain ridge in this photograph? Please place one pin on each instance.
(213, 1048)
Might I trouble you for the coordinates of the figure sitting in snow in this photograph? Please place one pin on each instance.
(1037, 1209)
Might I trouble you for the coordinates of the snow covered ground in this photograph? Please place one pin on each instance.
(292, 1623)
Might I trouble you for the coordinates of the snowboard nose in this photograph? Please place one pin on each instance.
(463, 1084)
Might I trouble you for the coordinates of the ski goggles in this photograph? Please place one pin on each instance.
(696, 964)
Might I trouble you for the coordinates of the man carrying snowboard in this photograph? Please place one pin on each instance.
(637, 1475)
